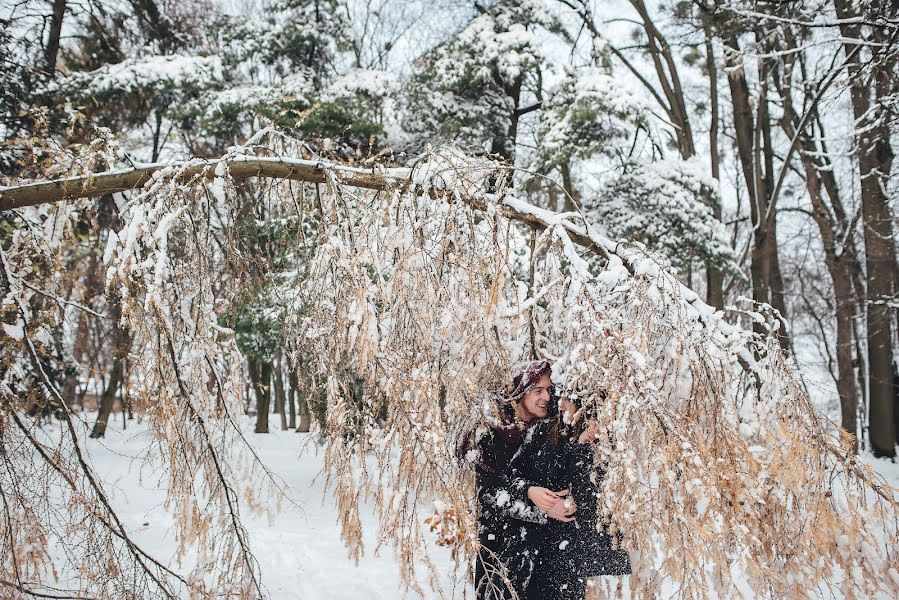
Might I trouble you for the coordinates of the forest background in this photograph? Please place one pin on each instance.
(748, 145)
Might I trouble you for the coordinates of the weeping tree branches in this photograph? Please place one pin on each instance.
(241, 166)
(412, 297)
(718, 476)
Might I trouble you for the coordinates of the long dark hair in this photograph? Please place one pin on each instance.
(524, 376)
(583, 403)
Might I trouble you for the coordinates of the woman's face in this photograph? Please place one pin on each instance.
(567, 409)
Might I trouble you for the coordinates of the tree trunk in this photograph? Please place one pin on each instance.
(775, 282)
(667, 74)
(107, 218)
(122, 343)
(875, 160)
(280, 396)
(714, 277)
(291, 400)
(93, 287)
(261, 374)
(571, 194)
(764, 260)
(52, 49)
(302, 405)
(833, 224)
(157, 135)
(305, 418)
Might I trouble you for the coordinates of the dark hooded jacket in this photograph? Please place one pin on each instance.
(504, 506)
(502, 499)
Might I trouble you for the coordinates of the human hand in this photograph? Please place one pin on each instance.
(591, 432)
(543, 498)
(563, 509)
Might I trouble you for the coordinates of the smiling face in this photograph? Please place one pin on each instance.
(535, 403)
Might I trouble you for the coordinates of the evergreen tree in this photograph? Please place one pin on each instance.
(665, 205)
(475, 88)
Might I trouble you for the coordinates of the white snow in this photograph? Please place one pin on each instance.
(298, 549)
(140, 73)
(16, 332)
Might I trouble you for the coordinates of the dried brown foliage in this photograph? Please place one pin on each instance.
(408, 311)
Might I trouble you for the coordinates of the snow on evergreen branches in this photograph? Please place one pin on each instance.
(143, 74)
(587, 114)
(667, 205)
(463, 87)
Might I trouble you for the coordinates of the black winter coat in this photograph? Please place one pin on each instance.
(504, 507)
(567, 553)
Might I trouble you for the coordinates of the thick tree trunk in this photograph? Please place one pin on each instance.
(875, 161)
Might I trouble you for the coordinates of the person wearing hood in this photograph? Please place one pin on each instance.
(506, 502)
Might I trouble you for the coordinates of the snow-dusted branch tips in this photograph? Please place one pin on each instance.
(404, 297)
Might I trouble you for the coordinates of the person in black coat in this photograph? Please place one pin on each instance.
(565, 552)
(505, 501)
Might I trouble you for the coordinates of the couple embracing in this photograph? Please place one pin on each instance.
(537, 493)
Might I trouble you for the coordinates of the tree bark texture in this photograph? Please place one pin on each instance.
(51, 51)
(875, 161)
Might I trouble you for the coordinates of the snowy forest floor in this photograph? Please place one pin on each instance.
(298, 547)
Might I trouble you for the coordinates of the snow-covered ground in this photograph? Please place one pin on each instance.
(298, 548)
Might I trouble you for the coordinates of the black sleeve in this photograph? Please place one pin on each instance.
(585, 480)
(500, 490)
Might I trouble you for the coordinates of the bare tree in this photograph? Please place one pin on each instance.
(870, 85)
